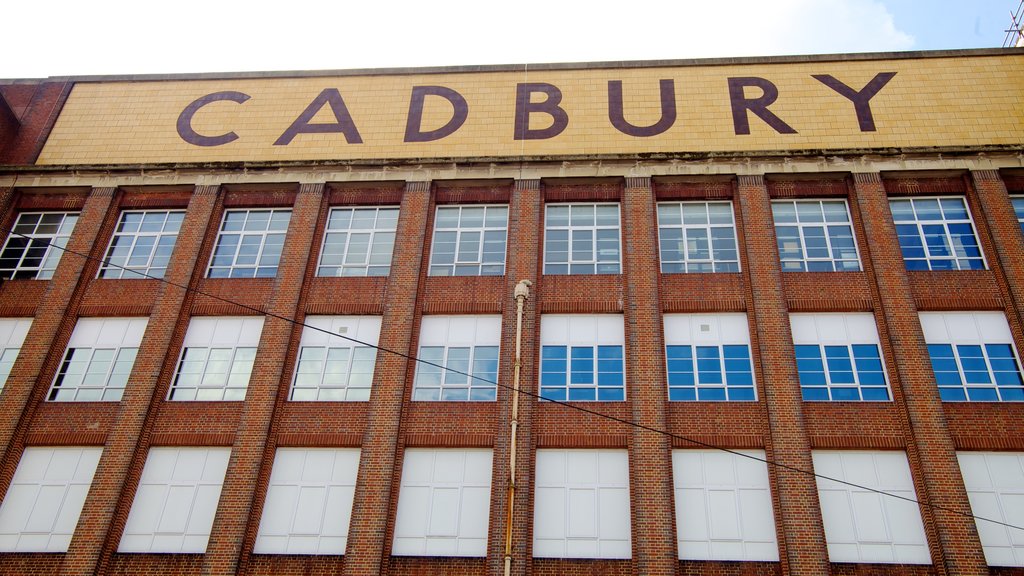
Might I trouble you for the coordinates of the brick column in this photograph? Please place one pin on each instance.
(55, 317)
(797, 513)
(651, 497)
(137, 407)
(931, 451)
(366, 549)
(524, 226)
(236, 500)
(1002, 223)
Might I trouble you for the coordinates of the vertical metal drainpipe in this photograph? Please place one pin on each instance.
(522, 292)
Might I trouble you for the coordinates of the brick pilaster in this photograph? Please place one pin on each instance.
(55, 319)
(98, 521)
(523, 264)
(367, 550)
(651, 497)
(236, 501)
(1009, 244)
(953, 538)
(797, 513)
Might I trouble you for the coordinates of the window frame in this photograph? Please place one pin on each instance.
(121, 336)
(54, 241)
(209, 481)
(724, 330)
(845, 330)
(416, 533)
(460, 231)
(569, 228)
(126, 271)
(947, 235)
(804, 261)
(212, 270)
(246, 332)
(906, 536)
(607, 481)
(56, 510)
(990, 328)
(683, 228)
(571, 331)
(373, 232)
(694, 470)
(325, 482)
(987, 491)
(453, 332)
(1017, 201)
(363, 328)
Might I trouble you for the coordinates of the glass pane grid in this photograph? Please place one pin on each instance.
(93, 375)
(213, 373)
(815, 236)
(142, 244)
(333, 373)
(845, 372)
(977, 372)
(469, 241)
(710, 373)
(582, 239)
(470, 373)
(249, 244)
(696, 237)
(936, 234)
(582, 373)
(34, 247)
(358, 242)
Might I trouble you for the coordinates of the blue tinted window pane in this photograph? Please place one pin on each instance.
(815, 394)
(845, 394)
(982, 394)
(682, 394)
(952, 394)
(741, 394)
(711, 394)
(1012, 394)
(875, 394)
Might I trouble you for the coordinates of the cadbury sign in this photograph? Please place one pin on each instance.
(970, 100)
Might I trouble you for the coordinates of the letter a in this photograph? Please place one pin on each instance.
(343, 121)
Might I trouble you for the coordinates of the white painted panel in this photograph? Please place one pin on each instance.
(934, 327)
(834, 328)
(995, 487)
(549, 513)
(309, 510)
(723, 506)
(862, 525)
(582, 513)
(13, 331)
(444, 513)
(965, 327)
(706, 329)
(613, 505)
(44, 501)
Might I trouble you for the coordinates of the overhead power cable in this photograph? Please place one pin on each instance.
(534, 395)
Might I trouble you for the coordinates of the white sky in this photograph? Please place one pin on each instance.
(65, 37)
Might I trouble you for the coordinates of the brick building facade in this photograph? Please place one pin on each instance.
(828, 303)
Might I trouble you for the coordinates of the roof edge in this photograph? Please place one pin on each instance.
(740, 60)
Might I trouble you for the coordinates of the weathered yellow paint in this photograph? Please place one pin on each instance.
(955, 101)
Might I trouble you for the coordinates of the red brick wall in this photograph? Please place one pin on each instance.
(780, 423)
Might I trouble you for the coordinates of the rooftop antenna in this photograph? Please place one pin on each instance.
(1015, 35)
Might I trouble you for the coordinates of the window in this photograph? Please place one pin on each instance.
(12, 335)
(465, 345)
(723, 506)
(581, 239)
(1018, 208)
(936, 234)
(708, 357)
(815, 236)
(444, 503)
(217, 358)
(358, 242)
(697, 237)
(176, 500)
(995, 487)
(35, 245)
(581, 504)
(309, 502)
(333, 368)
(99, 360)
(142, 244)
(864, 526)
(582, 357)
(838, 357)
(973, 356)
(249, 244)
(42, 505)
(469, 241)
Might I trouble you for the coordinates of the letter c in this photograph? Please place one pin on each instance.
(185, 119)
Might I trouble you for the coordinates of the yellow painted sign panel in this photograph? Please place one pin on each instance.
(912, 102)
